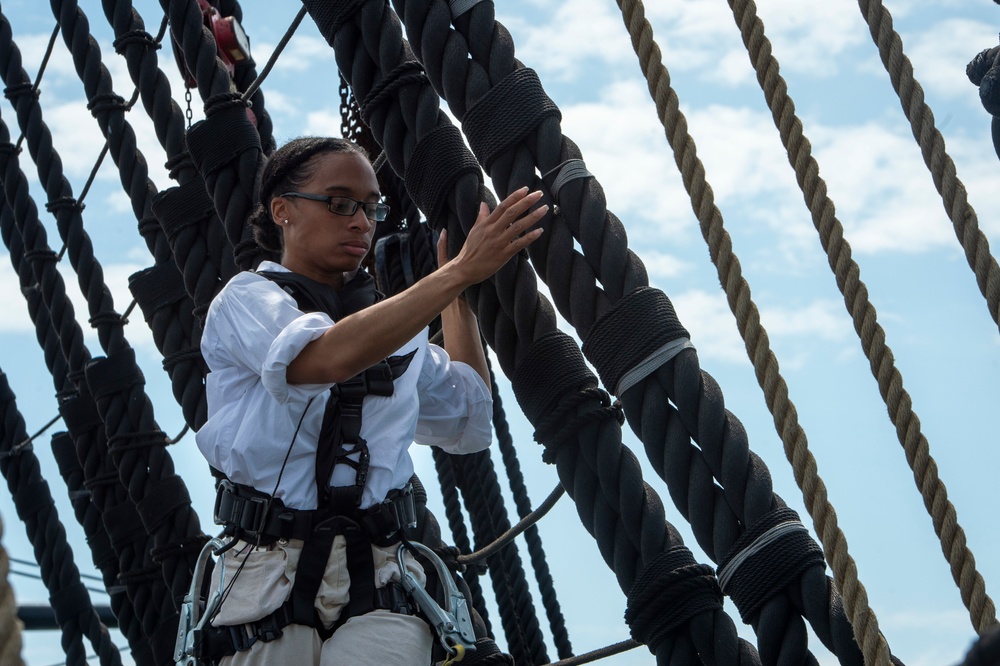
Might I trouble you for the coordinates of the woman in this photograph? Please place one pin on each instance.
(304, 443)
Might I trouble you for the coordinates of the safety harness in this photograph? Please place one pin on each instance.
(258, 519)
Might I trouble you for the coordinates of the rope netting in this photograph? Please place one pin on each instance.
(395, 64)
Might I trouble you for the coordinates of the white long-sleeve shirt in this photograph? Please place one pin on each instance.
(254, 329)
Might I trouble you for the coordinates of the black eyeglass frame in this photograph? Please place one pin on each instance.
(374, 210)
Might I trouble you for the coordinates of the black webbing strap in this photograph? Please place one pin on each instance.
(79, 413)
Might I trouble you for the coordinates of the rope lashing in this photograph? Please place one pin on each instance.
(770, 555)
(26, 444)
(330, 15)
(563, 425)
(459, 7)
(407, 73)
(252, 88)
(540, 394)
(433, 170)
(182, 206)
(12, 92)
(176, 358)
(156, 287)
(105, 102)
(671, 590)
(507, 114)
(113, 373)
(135, 37)
(563, 173)
(621, 357)
(222, 136)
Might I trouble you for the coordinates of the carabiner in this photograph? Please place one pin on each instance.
(192, 622)
(453, 624)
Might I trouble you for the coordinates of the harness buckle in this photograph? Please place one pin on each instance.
(240, 637)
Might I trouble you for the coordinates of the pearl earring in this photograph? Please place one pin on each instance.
(286, 222)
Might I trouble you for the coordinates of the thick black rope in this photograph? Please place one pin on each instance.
(227, 149)
(984, 72)
(134, 440)
(546, 587)
(86, 437)
(68, 597)
(533, 139)
(245, 75)
(515, 324)
(200, 247)
(172, 331)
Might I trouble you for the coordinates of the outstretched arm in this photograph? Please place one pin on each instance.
(460, 326)
(362, 339)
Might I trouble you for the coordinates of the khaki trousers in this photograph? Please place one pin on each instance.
(265, 582)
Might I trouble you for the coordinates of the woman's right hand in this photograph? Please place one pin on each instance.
(498, 235)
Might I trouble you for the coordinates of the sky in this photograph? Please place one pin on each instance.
(937, 323)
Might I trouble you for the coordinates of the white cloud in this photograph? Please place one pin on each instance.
(15, 310)
(939, 56)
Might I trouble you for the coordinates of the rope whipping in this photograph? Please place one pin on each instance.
(864, 316)
(514, 129)
(10, 627)
(36, 508)
(623, 514)
(956, 204)
(755, 338)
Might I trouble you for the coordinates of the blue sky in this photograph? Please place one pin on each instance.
(945, 343)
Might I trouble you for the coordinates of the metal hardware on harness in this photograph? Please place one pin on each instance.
(453, 624)
(192, 622)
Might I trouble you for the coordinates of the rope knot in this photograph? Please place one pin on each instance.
(105, 102)
(223, 101)
(9, 149)
(135, 37)
(404, 74)
(64, 203)
(769, 556)
(669, 591)
(20, 90)
(562, 425)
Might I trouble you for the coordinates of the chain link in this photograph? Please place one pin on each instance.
(188, 113)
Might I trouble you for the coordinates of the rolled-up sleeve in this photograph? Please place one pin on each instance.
(456, 406)
(259, 327)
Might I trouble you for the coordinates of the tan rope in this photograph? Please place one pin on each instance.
(880, 357)
(942, 168)
(796, 445)
(10, 626)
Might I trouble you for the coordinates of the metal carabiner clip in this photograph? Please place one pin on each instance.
(192, 620)
(453, 624)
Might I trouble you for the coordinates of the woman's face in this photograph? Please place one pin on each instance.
(318, 243)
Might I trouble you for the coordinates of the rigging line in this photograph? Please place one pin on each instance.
(516, 530)
(20, 446)
(29, 563)
(179, 435)
(121, 648)
(274, 56)
(601, 653)
(25, 574)
(41, 71)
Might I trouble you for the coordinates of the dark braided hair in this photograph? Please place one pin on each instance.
(287, 169)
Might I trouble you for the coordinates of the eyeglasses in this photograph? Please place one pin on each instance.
(346, 206)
